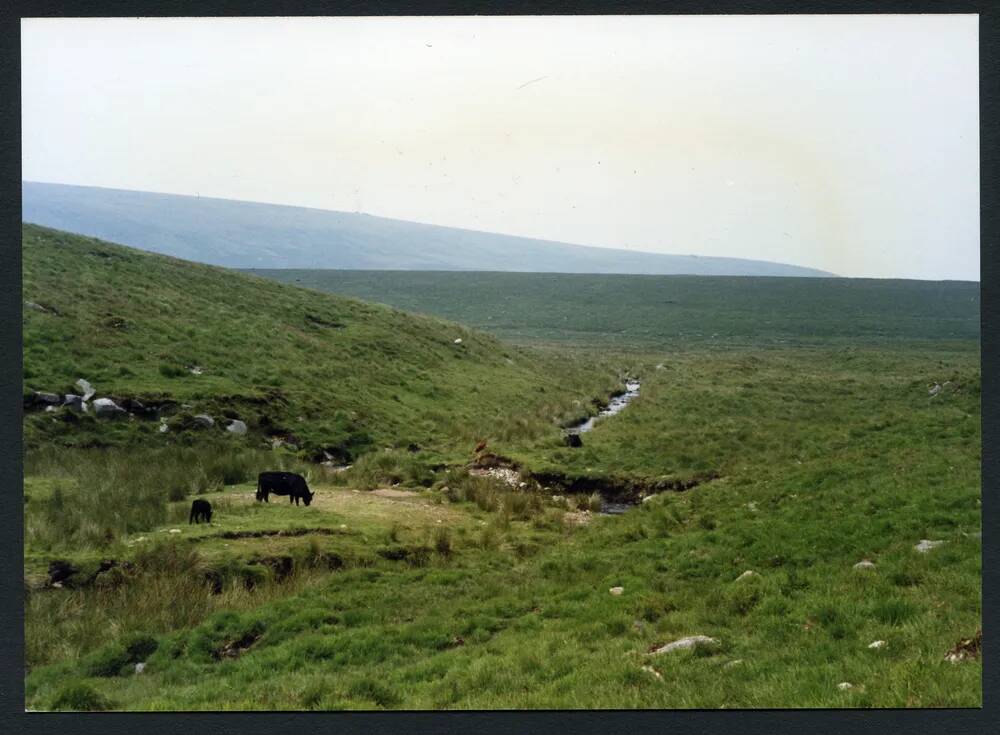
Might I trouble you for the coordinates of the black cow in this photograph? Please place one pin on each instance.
(283, 483)
(201, 510)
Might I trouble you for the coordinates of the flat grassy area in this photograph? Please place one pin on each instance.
(649, 312)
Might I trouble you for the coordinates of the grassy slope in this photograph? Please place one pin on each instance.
(131, 323)
(650, 311)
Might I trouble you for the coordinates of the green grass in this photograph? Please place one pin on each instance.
(336, 374)
(647, 312)
(464, 593)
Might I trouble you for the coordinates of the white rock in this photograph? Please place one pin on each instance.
(926, 545)
(844, 686)
(107, 408)
(164, 428)
(935, 389)
(237, 427)
(175, 530)
(86, 388)
(864, 564)
(204, 420)
(651, 670)
(752, 507)
(648, 498)
(877, 644)
(684, 643)
(616, 591)
(746, 574)
(139, 667)
(458, 341)
(195, 370)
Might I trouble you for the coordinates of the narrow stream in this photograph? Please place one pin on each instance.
(616, 405)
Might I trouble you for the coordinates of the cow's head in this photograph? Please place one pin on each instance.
(307, 498)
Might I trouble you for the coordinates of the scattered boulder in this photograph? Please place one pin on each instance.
(747, 574)
(685, 643)
(164, 428)
(195, 370)
(844, 686)
(654, 672)
(75, 403)
(934, 390)
(616, 591)
(106, 408)
(204, 420)
(237, 427)
(36, 307)
(458, 341)
(175, 530)
(86, 388)
(967, 648)
(42, 399)
(877, 644)
(140, 667)
(926, 545)
(864, 564)
(573, 440)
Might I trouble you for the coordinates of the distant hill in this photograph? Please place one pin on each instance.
(239, 234)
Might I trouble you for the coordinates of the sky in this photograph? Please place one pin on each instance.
(845, 143)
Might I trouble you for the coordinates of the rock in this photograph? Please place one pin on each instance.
(175, 530)
(140, 667)
(967, 648)
(934, 390)
(864, 564)
(204, 420)
(752, 507)
(685, 643)
(648, 498)
(164, 428)
(237, 427)
(651, 670)
(75, 403)
(36, 307)
(877, 644)
(41, 398)
(86, 388)
(844, 686)
(734, 662)
(195, 370)
(926, 545)
(573, 440)
(458, 341)
(106, 408)
(616, 591)
(748, 573)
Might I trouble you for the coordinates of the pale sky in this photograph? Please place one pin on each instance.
(846, 143)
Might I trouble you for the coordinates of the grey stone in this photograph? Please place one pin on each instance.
(47, 399)
(106, 408)
(864, 564)
(75, 403)
(237, 427)
(685, 643)
(204, 420)
(746, 574)
(139, 667)
(926, 545)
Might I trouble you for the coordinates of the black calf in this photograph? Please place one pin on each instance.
(201, 510)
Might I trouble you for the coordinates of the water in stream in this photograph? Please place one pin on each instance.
(616, 405)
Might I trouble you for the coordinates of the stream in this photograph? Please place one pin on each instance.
(615, 405)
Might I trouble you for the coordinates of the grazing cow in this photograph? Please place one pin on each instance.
(283, 483)
(201, 510)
